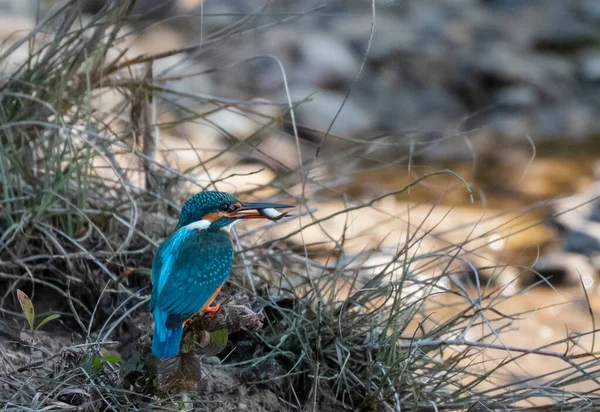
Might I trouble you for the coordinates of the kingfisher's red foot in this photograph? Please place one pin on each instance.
(187, 323)
(212, 310)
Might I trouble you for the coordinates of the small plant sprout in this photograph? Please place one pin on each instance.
(29, 312)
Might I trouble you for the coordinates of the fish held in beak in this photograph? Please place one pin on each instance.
(259, 210)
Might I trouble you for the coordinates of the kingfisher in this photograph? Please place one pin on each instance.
(192, 264)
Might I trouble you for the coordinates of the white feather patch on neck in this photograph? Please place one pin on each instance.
(229, 226)
(198, 225)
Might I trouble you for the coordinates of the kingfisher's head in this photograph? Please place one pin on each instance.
(216, 210)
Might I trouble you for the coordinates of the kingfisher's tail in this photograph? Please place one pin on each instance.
(165, 342)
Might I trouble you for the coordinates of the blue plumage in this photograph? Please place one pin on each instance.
(187, 269)
(165, 343)
(192, 264)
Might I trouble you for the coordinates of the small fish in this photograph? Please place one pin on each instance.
(272, 214)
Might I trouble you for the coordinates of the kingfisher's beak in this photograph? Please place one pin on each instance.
(259, 210)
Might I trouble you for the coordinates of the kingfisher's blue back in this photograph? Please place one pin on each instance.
(187, 271)
(190, 267)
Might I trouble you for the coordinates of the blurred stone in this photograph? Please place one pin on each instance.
(520, 97)
(407, 109)
(235, 179)
(388, 34)
(238, 124)
(13, 29)
(18, 8)
(188, 5)
(578, 218)
(106, 100)
(595, 212)
(143, 9)
(568, 38)
(515, 126)
(321, 110)
(563, 269)
(188, 152)
(571, 120)
(317, 54)
(588, 9)
(590, 66)
(211, 360)
(281, 150)
(157, 39)
(581, 243)
(512, 65)
(118, 169)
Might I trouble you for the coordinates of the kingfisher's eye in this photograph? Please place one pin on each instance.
(230, 207)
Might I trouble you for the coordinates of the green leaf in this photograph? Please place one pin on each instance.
(219, 339)
(112, 358)
(92, 363)
(48, 319)
(96, 362)
(26, 307)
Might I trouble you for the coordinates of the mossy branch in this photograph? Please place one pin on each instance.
(205, 335)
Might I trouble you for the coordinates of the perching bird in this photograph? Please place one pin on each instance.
(192, 264)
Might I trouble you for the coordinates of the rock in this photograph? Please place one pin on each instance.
(562, 268)
(189, 151)
(595, 212)
(324, 53)
(388, 35)
(18, 8)
(188, 5)
(321, 110)
(510, 65)
(513, 126)
(572, 118)
(13, 29)
(581, 243)
(579, 220)
(405, 109)
(280, 151)
(237, 124)
(315, 59)
(588, 9)
(568, 39)
(576, 212)
(519, 97)
(235, 179)
(122, 168)
(143, 9)
(211, 360)
(589, 66)
(217, 14)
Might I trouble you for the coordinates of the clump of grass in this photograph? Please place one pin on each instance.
(340, 333)
(376, 344)
(79, 226)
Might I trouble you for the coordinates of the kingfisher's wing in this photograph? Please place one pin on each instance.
(188, 268)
